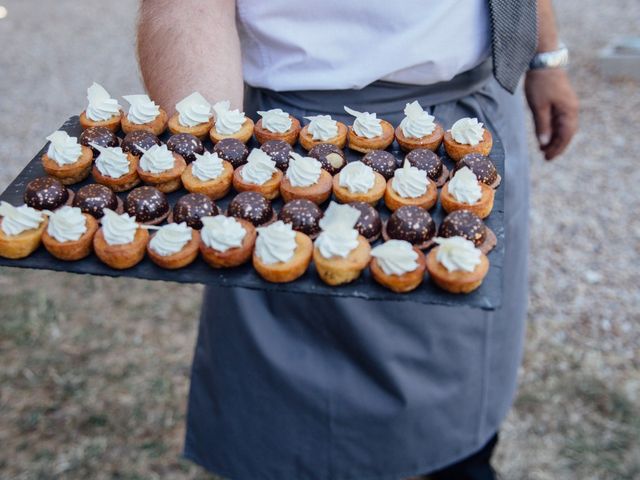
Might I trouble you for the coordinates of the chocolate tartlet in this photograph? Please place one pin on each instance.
(482, 167)
(413, 224)
(186, 145)
(191, 208)
(141, 138)
(369, 224)
(94, 198)
(147, 204)
(47, 193)
(279, 151)
(100, 136)
(233, 151)
(382, 162)
(303, 215)
(466, 224)
(431, 163)
(331, 157)
(253, 207)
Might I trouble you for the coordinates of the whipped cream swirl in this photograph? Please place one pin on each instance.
(467, 131)
(357, 177)
(228, 121)
(171, 238)
(63, 149)
(193, 110)
(366, 124)
(464, 187)
(118, 229)
(457, 254)
(112, 161)
(322, 127)
(67, 224)
(417, 123)
(338, 237)
(396, 257)
(222, 233)
(276, 243)
(16, 220)
(303, 171)
(275, 120)
(409, 181)
(207, 166)
(157, 159)
(259, 167)
(143, 109)
(101, 106)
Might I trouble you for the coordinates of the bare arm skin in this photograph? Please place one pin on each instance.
(553, 102)
(190, 45)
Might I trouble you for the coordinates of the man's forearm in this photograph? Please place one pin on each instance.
(547, 29)
(189, 45)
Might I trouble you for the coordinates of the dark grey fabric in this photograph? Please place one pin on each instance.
(293, 387)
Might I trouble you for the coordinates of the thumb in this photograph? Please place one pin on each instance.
(542, 120)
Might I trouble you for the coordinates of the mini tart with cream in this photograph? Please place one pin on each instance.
(69, 234)
(102, 110)
(323, 129)
(116, 169)
(277, 124)
(226, 241)
(369, 132)
(358, 182)
(161, 168)
(21, 230)
(418, 129)
(467, 135)
(397, 265)
(281, 254)
(66, 159)
(193, 115)
(465, 192)
(144, 114)
(456, 266)
(173, 246)
(259, 174)
(306, 179)
(230, 123)
(209, 175)
(410, 186)
(120, 243)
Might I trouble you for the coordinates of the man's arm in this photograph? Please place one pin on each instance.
(190, 45)
(550, 95)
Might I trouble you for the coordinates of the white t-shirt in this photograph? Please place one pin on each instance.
(340, 44)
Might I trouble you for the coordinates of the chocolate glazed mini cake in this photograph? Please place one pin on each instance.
(232, 150)
(382, 162)
(482, 167)
(253, 207)
(303, 215)
(413, 224)
(47, 193)
(147, 204)
(100, 136)
(431, 163)
(141, 138)
(94, 198)
(186, 145)
(330, 157)
(191, 208)
(279, 151)
(369, 224)
(466, 224)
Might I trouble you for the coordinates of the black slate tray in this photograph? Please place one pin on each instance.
(488, 296)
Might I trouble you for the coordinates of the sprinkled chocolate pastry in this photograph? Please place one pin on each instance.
(466, 224)
(382, 162)
(139, 137)
(100, 136)
(232, 150)
(279, 151)
(303, 215)
(147, 204)
(186, 145)
(410, 223)
(253, 207)
(369, 224)
(482, 167)
(330, 156)
(192, 207)
(431, 163)
(94, 198)
(46, 193)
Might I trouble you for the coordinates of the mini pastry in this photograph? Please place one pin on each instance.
(410, 186)
(209, 174)
(144, 114)
(466, 224)
(193, 116)
(69, 234)
(429, 162)
(226, 241)
(340, 252)
(161, 168)
(66, 159)
(303, 216)
(322, 129)
(466, 136)
(116, 169)
(277, 124)
(147, 205)
(47, 193)
(102, 110)
(174, 246)
(369, 132)
(456, 265)
(330, 157)
(418, 129)
(410, 223)
(120, 242)
(185, 145)
(306, 179)
(191, 208)
(279, 151)
(230, 123)
(259, 174)
(253, 207)
(397, 265)
(482, 167)
(369, 224)
(465, 192)
(98, 135)
(138, 142)
(233, 151)
(21, 230)
(281, 254)
(382, 162)
(95, 198)
(357, 182)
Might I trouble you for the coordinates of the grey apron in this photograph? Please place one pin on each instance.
(297, 387)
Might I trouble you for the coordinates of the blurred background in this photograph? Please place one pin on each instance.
(94, 371)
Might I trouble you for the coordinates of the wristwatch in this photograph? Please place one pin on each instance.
(553, 59)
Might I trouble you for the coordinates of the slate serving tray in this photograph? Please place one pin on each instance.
(488, 296)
